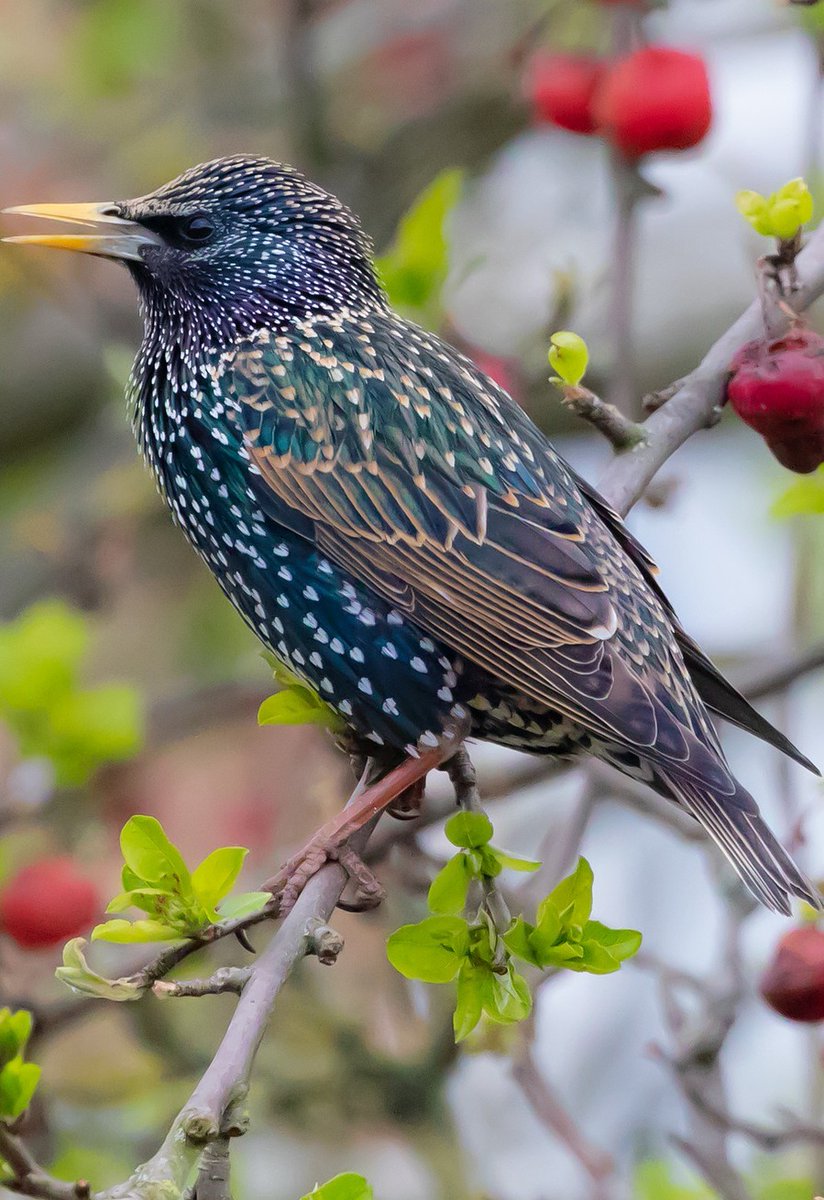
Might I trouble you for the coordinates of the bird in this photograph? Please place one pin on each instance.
(389, 521)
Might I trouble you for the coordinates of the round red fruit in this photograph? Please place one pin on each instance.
(777, 387)
(793, 984)
(655, 99)
(562, 89)
(47, 902)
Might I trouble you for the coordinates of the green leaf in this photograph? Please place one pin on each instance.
(804, 497)
(568, 357)
(215, 877)
(506, 997)
(513, 862)
(40, 654)
(490, 866)
(18, 1081)
(469, 1000)
(431, 951)
(127, 932)
(553, 953)
(784, 1189)
(449, 888)
(415, 266)
(653, 1181)
(243, 905)
(754, 208)
(571, 899)
(91, 727)
(469, 830)
(149, 853)
(15, 1030)
(780, 215)
(78, 975)
(518, 941)
(604, 949)
(298, 705)
(342, 1187)
(147, 899)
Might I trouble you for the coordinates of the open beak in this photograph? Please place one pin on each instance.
(122, 238)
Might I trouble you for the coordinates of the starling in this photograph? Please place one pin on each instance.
(389, 521)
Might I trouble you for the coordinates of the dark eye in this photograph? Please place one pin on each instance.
(196, 229)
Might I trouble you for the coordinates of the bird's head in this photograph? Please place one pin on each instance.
(233, 244)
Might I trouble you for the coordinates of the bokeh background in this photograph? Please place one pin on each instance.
(101, 99)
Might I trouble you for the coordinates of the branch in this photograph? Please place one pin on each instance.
(620, 431)
(597, 1164)
(700, 395)
(227, 979)
(215, 1109)
(29, 1178)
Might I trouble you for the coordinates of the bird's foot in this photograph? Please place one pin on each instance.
(408, 805)
(294, 875)
(331, 842)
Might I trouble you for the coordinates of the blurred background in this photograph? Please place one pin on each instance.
(518, 233)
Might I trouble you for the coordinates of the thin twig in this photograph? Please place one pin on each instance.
(461, 771)
(597, 1164)
(227, 979)
(29, 1178)
(622, 433)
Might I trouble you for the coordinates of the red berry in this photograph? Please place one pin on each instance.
(47, 902)
(562, 88)
(793, 983)
(655, 99)
(778, 389)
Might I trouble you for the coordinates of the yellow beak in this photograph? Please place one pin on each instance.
(126, 240)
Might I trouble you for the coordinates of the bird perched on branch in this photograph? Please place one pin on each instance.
(390, 523)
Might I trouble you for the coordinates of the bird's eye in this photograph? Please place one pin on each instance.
(196, 229)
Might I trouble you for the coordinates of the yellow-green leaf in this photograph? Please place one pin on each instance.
(148, 852)
(568, 357)
(126, 932)
(78, 975)
(215, 877)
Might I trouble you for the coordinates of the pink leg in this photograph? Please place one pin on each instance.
(330, 841)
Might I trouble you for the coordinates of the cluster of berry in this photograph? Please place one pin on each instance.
(656, 98)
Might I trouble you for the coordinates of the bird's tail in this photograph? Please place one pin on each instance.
(738, 829)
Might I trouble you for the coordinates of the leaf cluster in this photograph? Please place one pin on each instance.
(780, 215)
(18, 1079)
(178, 903)
(76, 729)
(450, 946)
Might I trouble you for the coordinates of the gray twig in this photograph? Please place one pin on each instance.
(226, 979)
(620, 431)
(29, 1178)
(461, 771)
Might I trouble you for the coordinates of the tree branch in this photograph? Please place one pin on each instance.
(700, 395)
(215, 1109)
(29, 1178)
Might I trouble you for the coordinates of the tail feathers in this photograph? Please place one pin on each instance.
(722, 698)
(738, 829)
